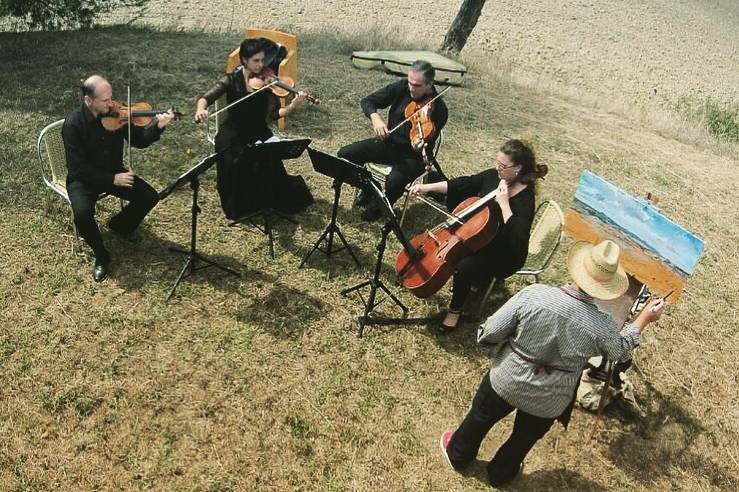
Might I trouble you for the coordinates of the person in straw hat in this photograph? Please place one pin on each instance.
(546, 336)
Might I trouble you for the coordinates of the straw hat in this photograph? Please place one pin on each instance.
(595, 269)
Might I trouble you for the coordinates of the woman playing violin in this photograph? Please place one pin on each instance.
(514, 177)
(396, 149)
(247, 123)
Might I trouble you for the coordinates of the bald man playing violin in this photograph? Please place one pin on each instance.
(396, 148)
(95, 165)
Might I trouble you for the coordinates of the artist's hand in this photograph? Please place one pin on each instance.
(124, 180)
(378, 124)
(419, 144)
(651, 312)
(298, 101)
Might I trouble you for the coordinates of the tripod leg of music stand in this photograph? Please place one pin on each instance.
(346, 245)
(367, 308)
(188, 264)
(315, 247)
(395, 299)
(218, 265)
(282, 216)
(354, 288)
(268, 229)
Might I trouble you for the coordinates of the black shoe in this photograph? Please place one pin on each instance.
(100, 272)
(497, 482)
(363, 199)
(371, 213)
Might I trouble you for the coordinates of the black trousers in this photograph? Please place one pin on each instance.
(245, 186)
(487, 409)
(407, 165)
(141, 199)
(471, 270)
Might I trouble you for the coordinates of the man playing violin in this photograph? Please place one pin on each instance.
(95, 166)
(241, 185)
(396, 148)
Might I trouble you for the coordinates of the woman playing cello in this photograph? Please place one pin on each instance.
(247, 122)
(514, 176)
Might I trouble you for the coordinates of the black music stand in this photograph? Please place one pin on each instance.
(343, 171)
(269, 152)
(375, 283)
(189, 267)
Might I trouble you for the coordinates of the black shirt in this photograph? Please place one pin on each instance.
(250, 116)
(94, 154)
(397, 96)
(507, 252)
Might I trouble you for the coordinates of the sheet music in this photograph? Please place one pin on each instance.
(273, 138)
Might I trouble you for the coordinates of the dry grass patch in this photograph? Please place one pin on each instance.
(257, 382)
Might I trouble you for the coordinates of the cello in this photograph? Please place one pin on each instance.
(469, 228)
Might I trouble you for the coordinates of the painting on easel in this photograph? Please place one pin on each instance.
(654, 250)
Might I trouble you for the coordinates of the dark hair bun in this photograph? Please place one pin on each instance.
(541, 171)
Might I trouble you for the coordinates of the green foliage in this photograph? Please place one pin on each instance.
(57, 14)
(722, 120)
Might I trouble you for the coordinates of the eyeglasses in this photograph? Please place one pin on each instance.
(502, 167)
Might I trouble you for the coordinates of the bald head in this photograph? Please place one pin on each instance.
(98, 94)
(92, 85)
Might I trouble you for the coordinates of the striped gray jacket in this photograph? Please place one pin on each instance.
(547, 334)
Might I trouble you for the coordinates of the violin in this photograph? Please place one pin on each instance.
(470, 227)
(419, 115)
(140, 114)
(422, 128)
(281, 86)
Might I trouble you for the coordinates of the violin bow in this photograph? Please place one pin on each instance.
(431, 204)
(419, 109)
(130, 156)
(266, 86)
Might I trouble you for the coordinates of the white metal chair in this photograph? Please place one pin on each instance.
(53, 160)
(546, 235)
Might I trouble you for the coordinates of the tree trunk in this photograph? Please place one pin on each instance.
(464, 22)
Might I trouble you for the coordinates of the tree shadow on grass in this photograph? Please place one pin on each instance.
(663, 440)
(284, 312)
(122, 53)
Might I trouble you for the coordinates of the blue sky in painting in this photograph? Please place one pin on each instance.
(640, 221)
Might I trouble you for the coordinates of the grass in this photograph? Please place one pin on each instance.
(257, 382)
(722, 120)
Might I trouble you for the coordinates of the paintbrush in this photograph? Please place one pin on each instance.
(662, 301)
